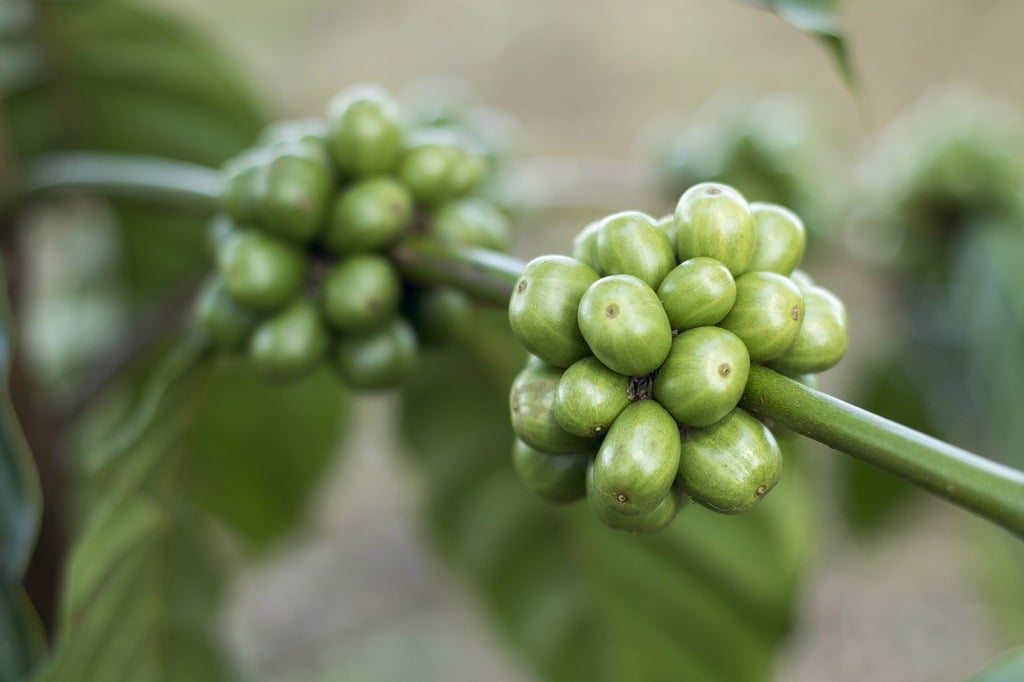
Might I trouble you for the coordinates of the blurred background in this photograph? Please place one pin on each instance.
(614, 106)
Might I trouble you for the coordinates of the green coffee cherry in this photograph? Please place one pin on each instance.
(648, 522)
(801, 279)
(630, 243)
(781, 239)
(294, 201)
(364, 131)
(589, 398)
(704, 376)
(471, 222)
(667, 224)
(303, 137)
(624, 324)
(584, 246)
(368, 215)
(439, 165)
(361, 292)
(530, 402)
(767, 315)
(821, 341)
(554, 478)
(244, 185)
(439, 314)
(226, 323)
(289, 344)
(731, 465)
(697, 293)
(714, 220)
(542, 310)
(260, 271)
(638, 460)
(381, 358)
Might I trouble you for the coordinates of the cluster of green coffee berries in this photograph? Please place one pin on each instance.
(642, 344)
(304, 272)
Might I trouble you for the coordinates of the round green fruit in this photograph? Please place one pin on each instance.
(381, 358)
(648, 522)
(638, 459)
(295, 199)
(226, 323)
(801, 279)
(245, 180)
(625, 326)
(704, 376)
(731, 465)
(530, 403)
(590, 396)
(260, 271)
(714, 220)
(369, 214)
(364, 131)
(630, 243)
(439, 314)
(471, 222)
(439, 165)
(667, 224)
(361, 292)
(554, 478)
(821, 341)
(767, 314)
(697, 293)
(543, 306)
(781, 239)
(584, 246)
(289, 344)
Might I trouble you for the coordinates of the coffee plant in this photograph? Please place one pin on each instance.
(606, 438)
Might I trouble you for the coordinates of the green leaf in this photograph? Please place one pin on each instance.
(816, 17)
(1009, 667)
(22, 642)
(708, 598)
(256, 451)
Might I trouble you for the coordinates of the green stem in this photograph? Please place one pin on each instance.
(991, 490)
(987, 488)
(132, 177)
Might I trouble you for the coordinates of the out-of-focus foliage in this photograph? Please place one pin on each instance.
(766, 148)
(1009, 667)
(710, 597)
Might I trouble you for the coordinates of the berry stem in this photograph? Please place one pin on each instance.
(989, 489)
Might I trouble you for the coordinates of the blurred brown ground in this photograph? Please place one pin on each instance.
(359, 596)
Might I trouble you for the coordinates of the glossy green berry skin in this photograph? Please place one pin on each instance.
(704, 376)
(781, 239)
(767, 314)
(259, 271)
(226, 323)
(638, 524)
(638, 459)
(531, 399)
(554, 478)
(295, 199)
(821, 342)
(584, 246)
(731, 465)
(438, 166)
(290, 343)
(714, 220)
(589, 398)
(364, 131)
(439, 314)
(471, 222)
(244, 184)
(361, 292)
(543, 308)
(697, 293)
(624, 324)
(378, 359)
(667, 224)
(630, 243)
(369, 214)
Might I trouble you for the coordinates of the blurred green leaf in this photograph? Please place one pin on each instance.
(256, 451)
(708, 598)
(22, 643)
(1009, 667)
(112, 76)
(818, 18)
